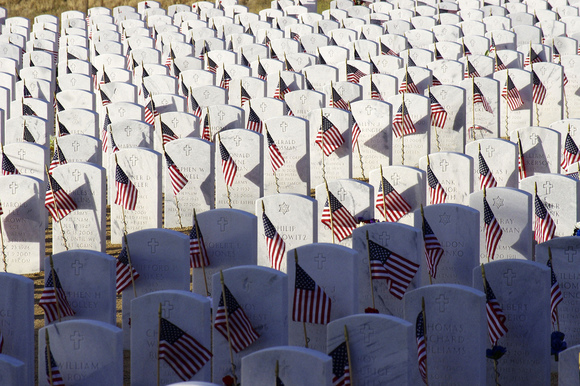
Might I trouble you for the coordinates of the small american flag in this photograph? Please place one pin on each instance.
(321, 58)
(62, 130)
(470, 71)
(374, 68)
(355, 132)
(570, 154)
(390, 203)
(342, 221)
(254, 122)
(538, 89)
(294, 35)
(226, 79)
(436, 53)
(229, 167)
(493, 232)
(435, 81)
(8, 167)
(398, 271)
(532, 57)
(544, 225)
(521, 161)
(281, 90)
(149, 107)
(206, 133)
(26, 92)
(309, 85)
(241, 332)
(486, 179)
(58, 159)
(126, 191)
(491, 48)
(244, 96)
(169, 59)
(104, 132)
(27, 110)
(195, 108)
(53, 376)
(183, 353)
(114, 147)
(495, 317)
(340, 368)
(353, 74)
(104, 98)
(57, 201)
(337, 101)
(262, 74)
(197, 251)
(311, 304)
(478, 97)
(178, 180)
(274, 242)
(276, 158)
(438, 113)
(385, 50)
(332, 42)
(437, 194)
(167, 134)
(421, 346)
(375, 93)
(211, 65)
(403, 124)
(51, 295)
(287, 65)
(555, 293)
(407, 85)
(511, 95)
(328, 137)
(123, 271)
(273, 54)
(433, 250)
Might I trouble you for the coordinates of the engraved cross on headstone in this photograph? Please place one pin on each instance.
(21, 154)
(303, 99)
(13, 186)
(283, 126)
(548, 187)
(153, 244)
(133, 159)
(395, 179)
(166, 309)
(77, 338)
(75, 146)
(175, 122)
(77, 265)
(237, 140)
(187, 150)
(384, 237)
(76, 174)
(369, 109)
(509, 275)
(342, 194)
(263, 106)
(320, 259)
(221, 115)
(222, 222)
(442, 301)
(128, 130)
(570, 252)
(367, 332)
(535, 139)
(121, 112)
(443, 163)
(490, 150)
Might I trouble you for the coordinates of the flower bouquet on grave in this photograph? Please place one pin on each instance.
(558, 344)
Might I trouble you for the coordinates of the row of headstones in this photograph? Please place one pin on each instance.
(458, 174)
(382, 346)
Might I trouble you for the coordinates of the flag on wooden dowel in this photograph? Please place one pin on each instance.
(338, 218)
(403, 124)
(495, 316)
(407, 84)
(532, 57)
(53, 299)
(105, 130)
(538, 89)
(281, 90)
(149, 107)
(276, 158)
(555, 293)
(437, 194)
(511, 94)
(390, 204)
(229, 167)
(57, 201)
(58, 158)
(126, 192)
(167, 134)
(385, 50)
(570, 154)
(226, 79)
(27, 135)
(311, 303)
(421, 346)
(241, 332)
(178, 180)
(355, 133)
(493, 231)
(53, 376)
(328, 137)
(254, 122)
(340, 368)
(486, 179)
(123, 271)
(521, 162)
(206, 133)
(433, 250)
(353, 74)
(244, 95)
(375, 93)
(182, 352)
(438, 113)
(194, 106)
(478, 97)
(397, 270)
(262, 74)
(336, 100)
(197, 251)
(470, 71)
(274, 242)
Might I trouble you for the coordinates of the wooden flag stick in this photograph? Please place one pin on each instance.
(362, 170)
(201, 248)
(58, 312)
(275, 176)
(227, 186)
(403, 128)
(552, 264)
(383, 187)
(263, 212)
(425, 335)
(277, 373)
(507, 107)
(473, 107)
(434, 127)
(350, 369)
(127, 241)
(158, 344)
(485, 291)
(228, 327)
(55, 204)
(370, 270)
(330, 210)
(176, 199)
(484, 196)
(303, 322)
(536, 106)
(423, 228)
(47, 357)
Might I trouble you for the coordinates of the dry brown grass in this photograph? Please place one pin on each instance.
(32, 8)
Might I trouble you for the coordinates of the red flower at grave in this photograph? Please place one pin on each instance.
(370, 310)
(228, 380)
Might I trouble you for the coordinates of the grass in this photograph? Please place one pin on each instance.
(32, 8)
